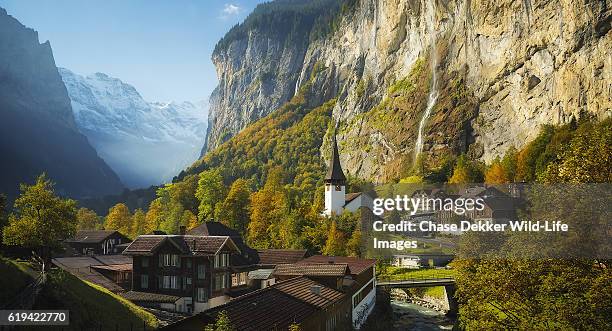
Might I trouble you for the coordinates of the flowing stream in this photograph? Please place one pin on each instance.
(410, 316)
(433, 91)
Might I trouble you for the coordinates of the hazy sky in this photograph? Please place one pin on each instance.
(163, 48)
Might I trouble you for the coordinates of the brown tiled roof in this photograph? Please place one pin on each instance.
(91, 236)
(274, 307)
(356, 265)
(188, 245)
(278, 256)
(144, 245)
(321, 269)
(149, 297)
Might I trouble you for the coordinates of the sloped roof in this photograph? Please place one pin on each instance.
(92, 236)
(149, 297)
(320, 269)
(278, 256)
(248, 254)
(260, 274)
(187, 244)
(350, 197)
(274, 307)
(356, 265)
(114, 267)
(335, 173)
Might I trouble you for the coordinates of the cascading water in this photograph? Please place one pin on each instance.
(433, 91)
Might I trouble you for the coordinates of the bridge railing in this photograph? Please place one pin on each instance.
(417, 277)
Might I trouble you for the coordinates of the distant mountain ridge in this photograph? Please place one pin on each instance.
(146, 143)
(38, 132)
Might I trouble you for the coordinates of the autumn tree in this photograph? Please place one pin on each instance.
(235, 208)
(268, 207)
(40, 219)
(496, 173)
(465, 172)
(119, 218)
(88, 220)
(335, 241)
(139, 223)
(153, 217)
(210, 193)
(509, 163)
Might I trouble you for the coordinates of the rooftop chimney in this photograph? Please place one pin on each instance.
(182, 229)
(315, 289)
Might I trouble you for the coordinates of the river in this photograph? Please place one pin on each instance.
(409, 316)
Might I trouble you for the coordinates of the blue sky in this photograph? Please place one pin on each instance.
(163, 48)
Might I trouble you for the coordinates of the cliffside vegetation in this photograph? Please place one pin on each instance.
(289, 21)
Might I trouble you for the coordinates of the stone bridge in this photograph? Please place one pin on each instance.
(447, 282)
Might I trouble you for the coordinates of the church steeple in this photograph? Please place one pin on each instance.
(335, 175)
(335, 189)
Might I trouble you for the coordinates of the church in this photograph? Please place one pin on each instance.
(336, 198)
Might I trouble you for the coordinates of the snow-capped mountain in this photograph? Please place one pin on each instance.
(146, 143)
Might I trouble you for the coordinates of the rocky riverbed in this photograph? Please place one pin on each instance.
(411, 316)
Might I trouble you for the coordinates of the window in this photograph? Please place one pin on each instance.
(188, 263)
(170, 282)
(201, 295)
(144, 281)
(221, 281)
(201, 271)
(145, 262)
(221, 260)
(239, 279)
(169, 260)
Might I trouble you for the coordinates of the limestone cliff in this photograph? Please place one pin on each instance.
(491, 72)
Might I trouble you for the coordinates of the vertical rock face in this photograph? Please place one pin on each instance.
(258, 63)
(37, 129)
(504, 69)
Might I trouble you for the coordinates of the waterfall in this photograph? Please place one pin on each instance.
(433, 91)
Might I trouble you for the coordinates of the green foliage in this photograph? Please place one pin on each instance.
(88, 220)
(547, 293)
(289, 22)
(40, 218)
(210, 193)
(235, 208)
(223, 323)
(568, 153)
(466, 171)
(119, 218)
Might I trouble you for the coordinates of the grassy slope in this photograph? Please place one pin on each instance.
(13, 277)
(91, 305)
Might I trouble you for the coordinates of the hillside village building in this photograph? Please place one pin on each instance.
(336, 198)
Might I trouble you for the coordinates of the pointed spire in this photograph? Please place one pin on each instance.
(335, 175)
